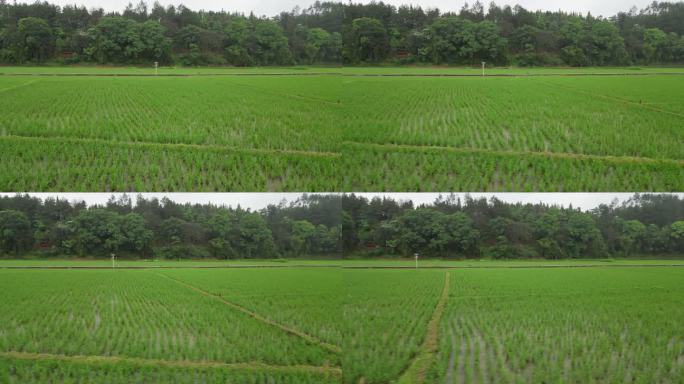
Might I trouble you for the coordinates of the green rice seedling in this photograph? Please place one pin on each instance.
(562, 325)
(137, 315)
(385, 316)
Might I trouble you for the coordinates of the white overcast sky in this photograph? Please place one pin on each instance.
(273, 7)
(256, 201)
(253, 201)
(585, 201)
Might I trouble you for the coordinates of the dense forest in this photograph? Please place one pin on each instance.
(339, 33)
(336, 226)
(308, 227)
(454, 228)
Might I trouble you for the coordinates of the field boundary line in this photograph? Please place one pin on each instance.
(243, 74)
(17, 86)
(165, 267)
(415, 373)
(311, 339)
(251, 366)
(508, 74)
(209, 147)
(614, 98)
(516, 266)
(558, 155)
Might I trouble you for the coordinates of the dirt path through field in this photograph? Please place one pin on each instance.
(311, 339)
(251, 366)
(415, 374)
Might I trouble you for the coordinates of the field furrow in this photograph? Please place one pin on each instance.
(265, 320)
(415, 374)
(59, 165)
(260, 367)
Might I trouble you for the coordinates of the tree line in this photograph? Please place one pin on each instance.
(340, 33)
(472, 228)
(152, 228)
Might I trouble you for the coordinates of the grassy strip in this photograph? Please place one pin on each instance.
(146, 144)
(386, 169)
(248, 266)
(251, 366)
(420, 364)
(308, 338)
(558, 155)
(508, 75)
(514, 266)
(60, 165)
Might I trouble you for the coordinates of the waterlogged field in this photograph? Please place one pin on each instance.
(530, 325)
(148, 325)
(385, 315)
(323, 129)
(489, 322)
(199, 133)
(540, 133)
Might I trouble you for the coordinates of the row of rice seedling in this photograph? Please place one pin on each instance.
(396, 168)
(508, 71)
(137, 314)
(307, 300)
(520, 114)
(75, 165)
(285, 113)
(54, 371)
(385, 315)
(565, 325)
(650, 92)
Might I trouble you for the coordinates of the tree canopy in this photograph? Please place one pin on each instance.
(454, 228)
(308, 227)
(336, 33)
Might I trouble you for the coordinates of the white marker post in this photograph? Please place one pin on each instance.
(113, 261)
(483, 68)
(156, 68)
(416, 256)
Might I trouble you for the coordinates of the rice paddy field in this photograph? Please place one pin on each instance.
(347, 324)
(341, 129)
(227, 326)
(496, 325)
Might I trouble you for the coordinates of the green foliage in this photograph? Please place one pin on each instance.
(451, 227)
(368, 41)
(330, 32)
(36, 40)
(15, 232)
(163, 229)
